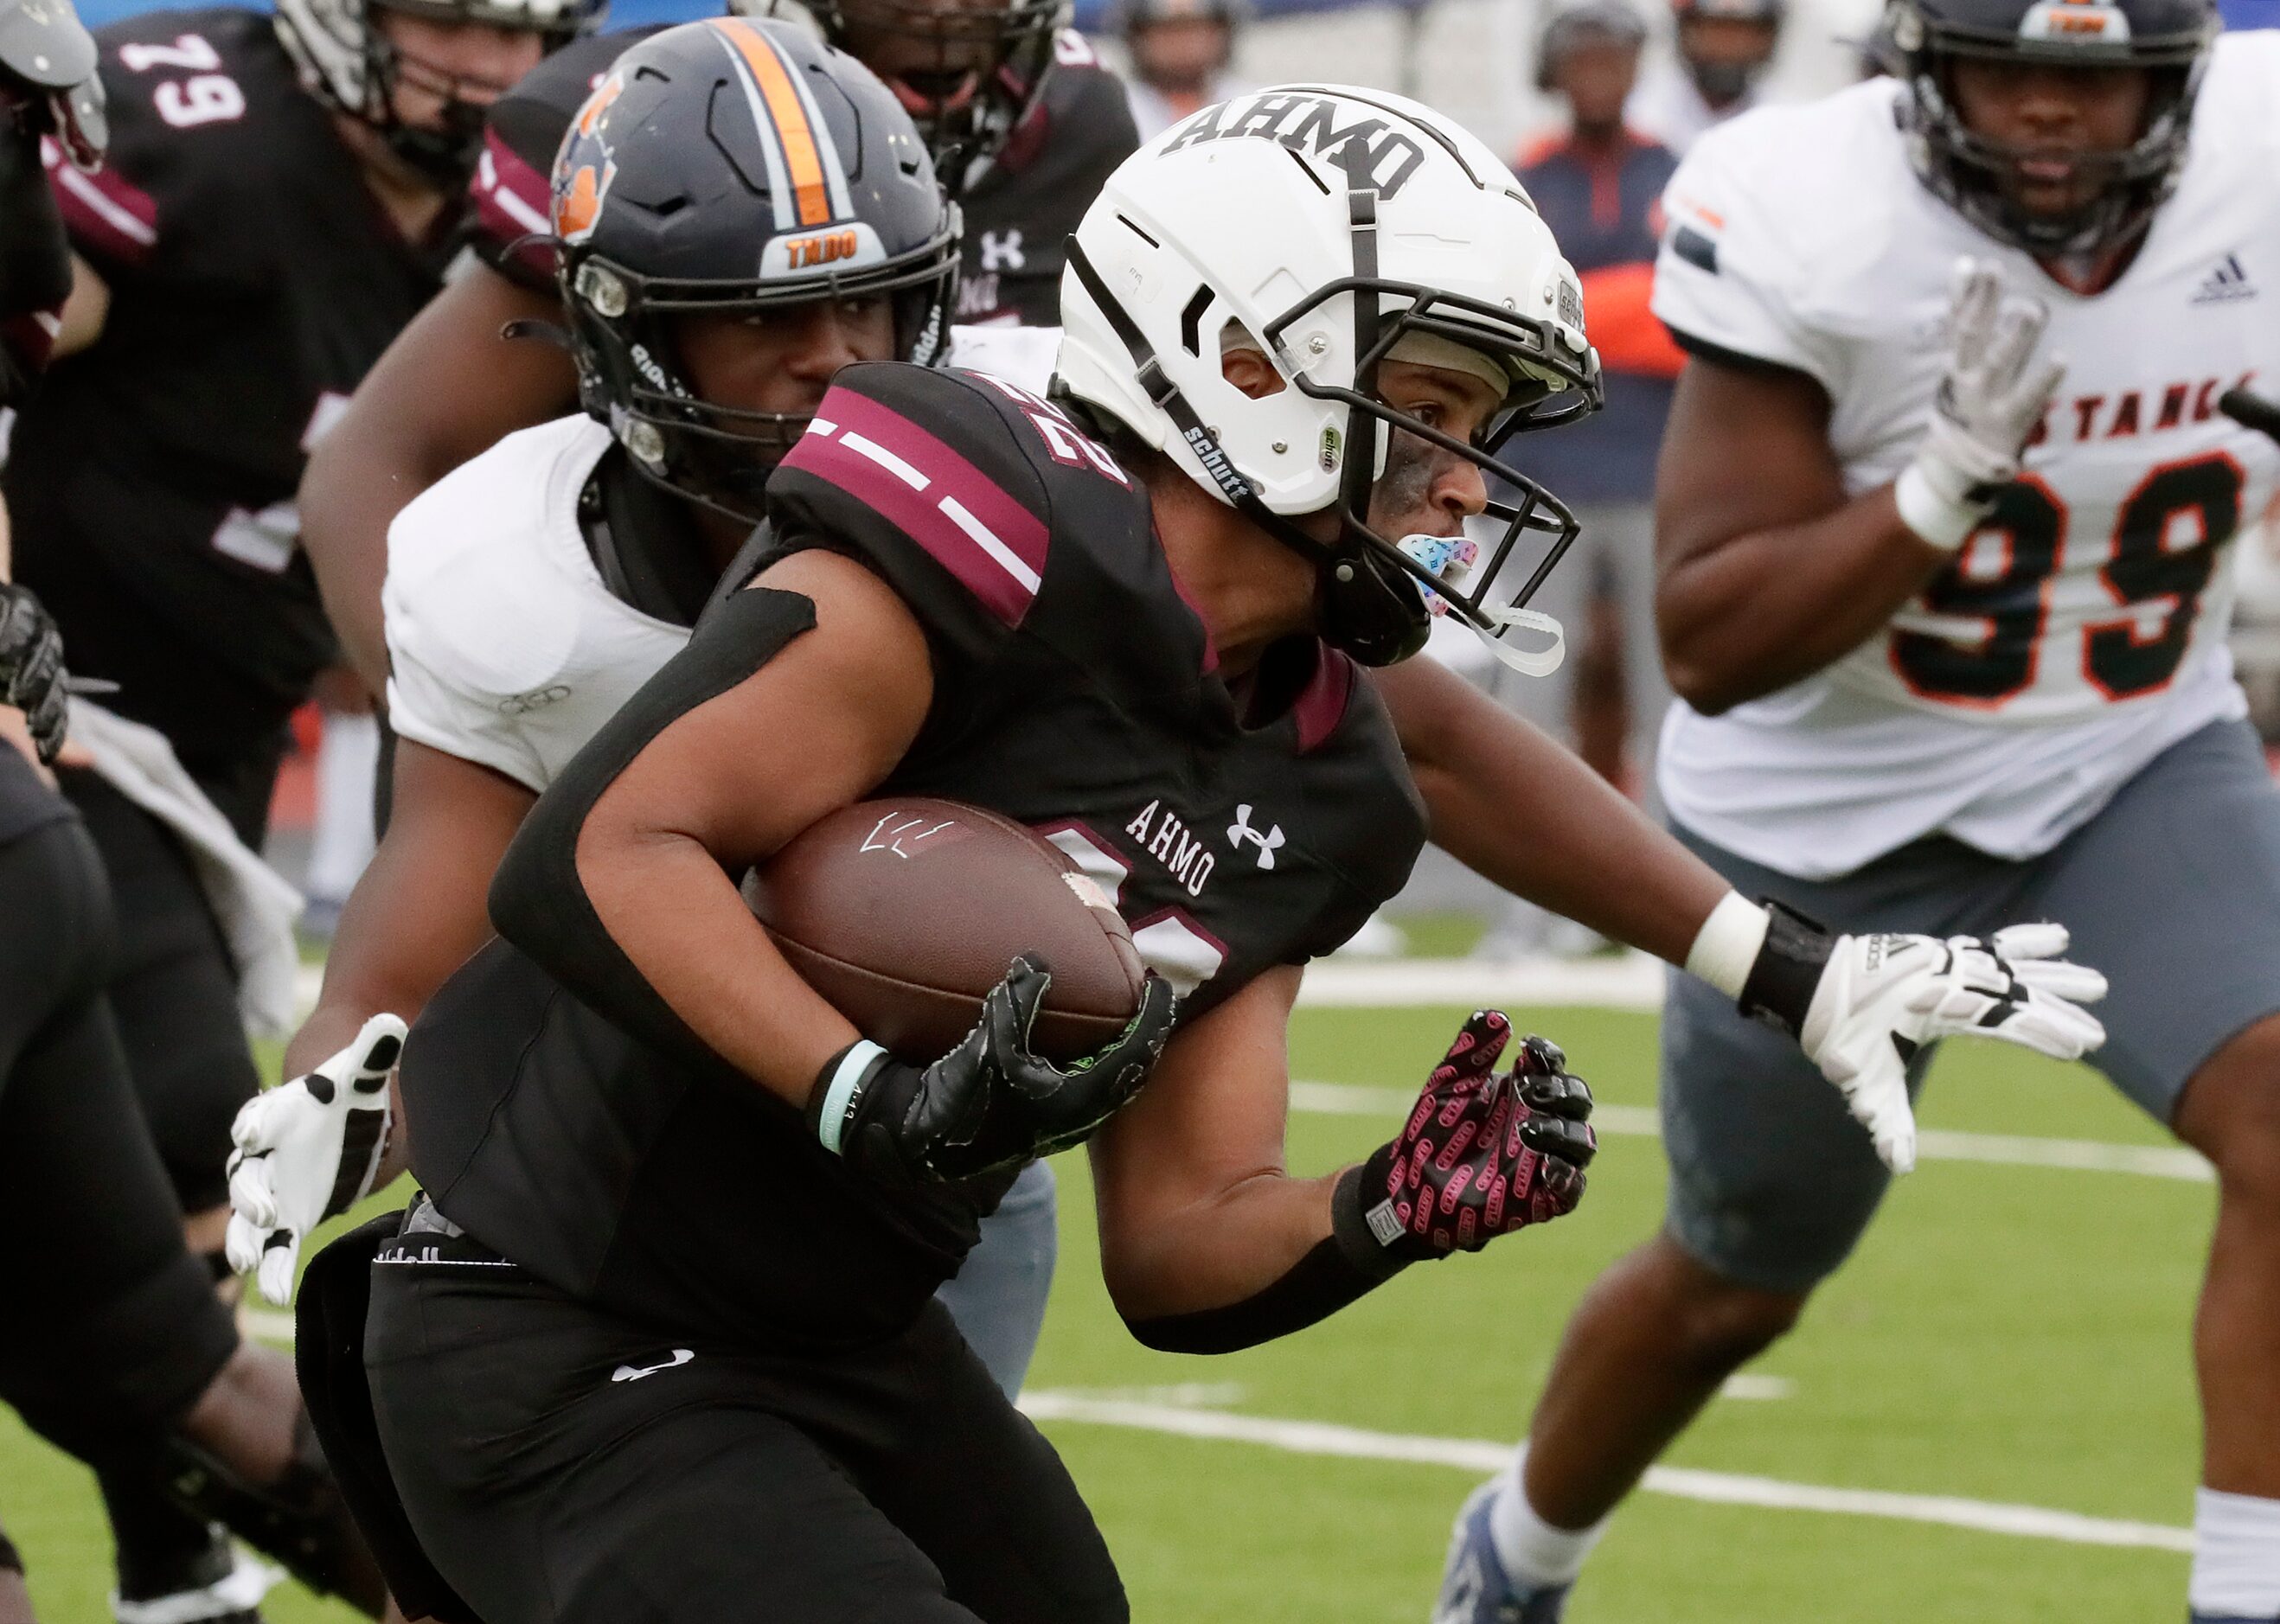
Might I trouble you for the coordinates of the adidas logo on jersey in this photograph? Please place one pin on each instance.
(2228, 284)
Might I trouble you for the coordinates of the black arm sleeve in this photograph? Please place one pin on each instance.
(538, 900)
(1347, 1267)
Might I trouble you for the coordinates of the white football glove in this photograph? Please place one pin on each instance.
(1882, 998)
(1991, 395)
(307, 1151)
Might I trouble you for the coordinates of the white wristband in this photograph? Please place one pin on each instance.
(1729, 943)
(1939, 519)
(837, 1093)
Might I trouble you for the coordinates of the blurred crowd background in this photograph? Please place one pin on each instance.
(1594, 100)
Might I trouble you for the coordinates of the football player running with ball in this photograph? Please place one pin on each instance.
(695, 1170)
(694, 1175)
(1943, 514)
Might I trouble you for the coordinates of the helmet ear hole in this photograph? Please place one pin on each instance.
(1245, 364)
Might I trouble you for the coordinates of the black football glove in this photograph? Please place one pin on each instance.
(31, 667)
(989, 1104)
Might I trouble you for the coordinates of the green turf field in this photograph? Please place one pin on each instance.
(2008, 1333)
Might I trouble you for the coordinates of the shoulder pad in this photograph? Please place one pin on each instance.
(1772, 213)
(2234, 109)
(949, 484)
(469, 588)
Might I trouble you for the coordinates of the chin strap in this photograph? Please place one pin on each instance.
(1528, 662)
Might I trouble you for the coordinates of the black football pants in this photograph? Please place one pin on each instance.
(111, 1328)
(174, 990)
(563, 1466)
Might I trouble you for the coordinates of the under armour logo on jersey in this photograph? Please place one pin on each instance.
(1240, 830)
(2228, 284)
(1001, 250)
(635, 1373)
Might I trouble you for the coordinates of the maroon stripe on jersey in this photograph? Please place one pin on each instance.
(106, 213)
(1321, 705)
(511, 201)
(963, 519)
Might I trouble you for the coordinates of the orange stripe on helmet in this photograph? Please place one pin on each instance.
(802, 162)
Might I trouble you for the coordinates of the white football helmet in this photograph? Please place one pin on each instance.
(346, 60)
(1336, 227)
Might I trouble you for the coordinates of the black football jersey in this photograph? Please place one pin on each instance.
(1075, 690)
(1018, 215)
(253, 279)
(1021, 211)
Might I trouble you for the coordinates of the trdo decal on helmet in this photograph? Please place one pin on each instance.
(1334, 229)
(739, 168)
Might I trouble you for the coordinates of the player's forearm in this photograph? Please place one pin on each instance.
(418, 910)
(348, 500)
(1262, 1259)
(1519, 810)
(1746, 616)
(681, 924)
(398, 940)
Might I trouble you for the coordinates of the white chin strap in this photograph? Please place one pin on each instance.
(1528, 662)
(1450, 559)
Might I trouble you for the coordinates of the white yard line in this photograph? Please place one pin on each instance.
(1932, 1144)
(1680, 1482)
(1632, 981)
(1757, 1388)
(264, 1324)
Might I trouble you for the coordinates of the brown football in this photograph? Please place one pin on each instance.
(904, 912)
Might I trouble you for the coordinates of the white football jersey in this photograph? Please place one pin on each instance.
(2081, 631)
(505, 646)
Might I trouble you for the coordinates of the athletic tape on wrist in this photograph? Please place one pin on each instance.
(1781, 985)
(1729, 944)
(1939, 520)
(839, 1092)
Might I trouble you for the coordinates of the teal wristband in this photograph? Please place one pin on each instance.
(839, 1093)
